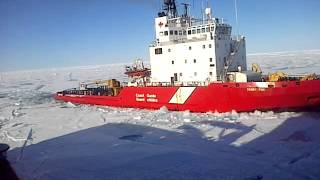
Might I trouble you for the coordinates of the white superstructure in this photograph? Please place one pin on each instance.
(192, 50)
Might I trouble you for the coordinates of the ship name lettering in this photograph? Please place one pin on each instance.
(140, 99)
(151, 96)
(251, 89)
(152, 100)
(140, 95)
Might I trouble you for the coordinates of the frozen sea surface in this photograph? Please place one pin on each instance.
(53, 140)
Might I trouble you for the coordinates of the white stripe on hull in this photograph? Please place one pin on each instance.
(182, 94)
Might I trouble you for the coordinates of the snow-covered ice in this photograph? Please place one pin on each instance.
(54, 140)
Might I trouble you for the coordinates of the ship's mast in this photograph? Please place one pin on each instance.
(170, 8)
(185, 8)
(236, 12)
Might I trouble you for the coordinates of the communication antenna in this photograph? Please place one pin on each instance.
(236, 11)
(193, 5)
(185, 13)
(202, 11)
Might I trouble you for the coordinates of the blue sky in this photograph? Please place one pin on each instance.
(57, 33)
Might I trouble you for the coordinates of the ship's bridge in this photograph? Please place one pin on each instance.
(197, 50)
(175, 30)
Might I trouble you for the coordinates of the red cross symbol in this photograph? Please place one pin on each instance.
(160, 24)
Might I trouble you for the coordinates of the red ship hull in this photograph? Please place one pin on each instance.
(221, 97)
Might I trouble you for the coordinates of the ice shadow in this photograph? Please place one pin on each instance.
(127, 151)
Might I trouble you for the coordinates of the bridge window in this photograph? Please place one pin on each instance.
(195, 73)
(158, 51)
(208, 29)
(211, 65)
(180, 32)
(175, 32)
(189, 32)
(194, 31)
(194, 61)
(203, 46)
(210, 46)
(166, 33)
(171, 32)
(210, 73)
(198, 31)
(184, 32)
(185, 61)
(169, 50)
(190, 47)
(172, 62)
(180, 74)
(211, 59)
(203, 30)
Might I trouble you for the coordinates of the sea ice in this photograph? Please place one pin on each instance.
(90, 142)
